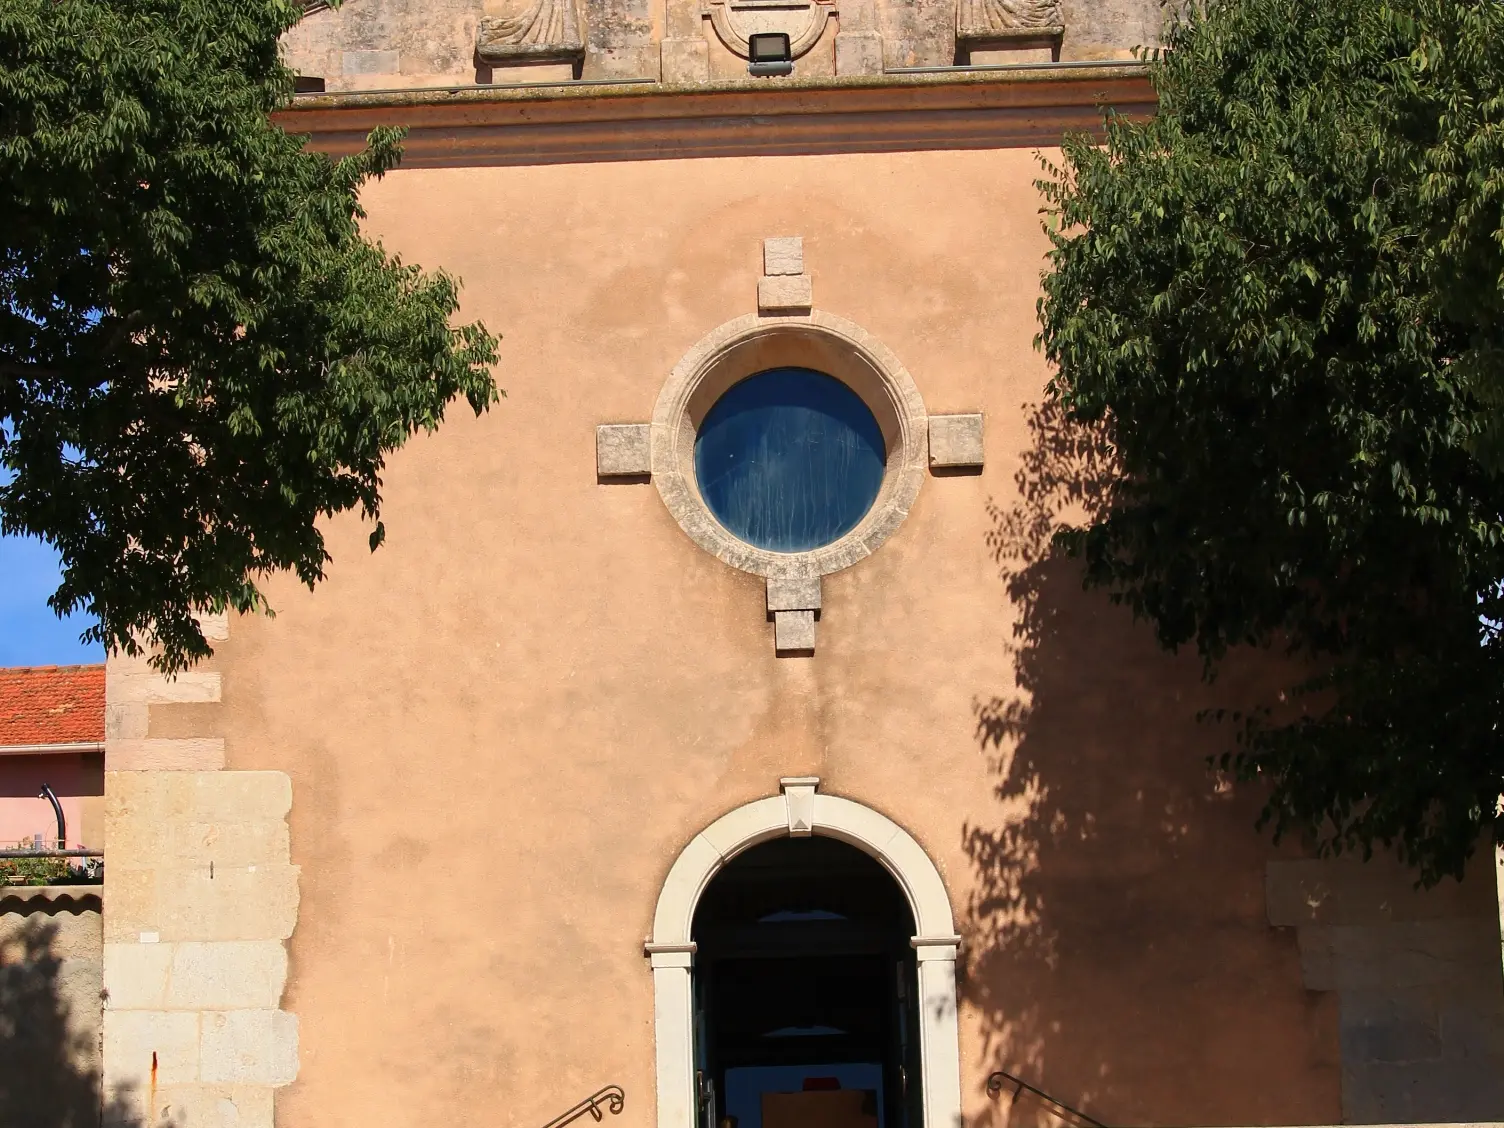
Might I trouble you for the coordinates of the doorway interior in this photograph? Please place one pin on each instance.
(805, 992)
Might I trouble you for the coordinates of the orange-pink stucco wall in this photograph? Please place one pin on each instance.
(503, 726)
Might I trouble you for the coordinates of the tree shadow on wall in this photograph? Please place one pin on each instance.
(1119, 955)
(49, 1057)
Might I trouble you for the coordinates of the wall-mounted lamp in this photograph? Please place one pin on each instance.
(769, 53)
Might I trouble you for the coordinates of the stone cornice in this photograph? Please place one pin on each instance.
(482, 125)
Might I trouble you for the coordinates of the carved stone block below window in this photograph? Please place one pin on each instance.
(794, 632)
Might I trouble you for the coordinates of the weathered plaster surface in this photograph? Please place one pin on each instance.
(50, 977)
(503, 726)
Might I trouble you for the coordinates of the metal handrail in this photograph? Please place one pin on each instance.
(611, 1096)
(45, 853)
(1001, 1079)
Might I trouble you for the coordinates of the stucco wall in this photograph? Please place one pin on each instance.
(502, 726)
(50, 981)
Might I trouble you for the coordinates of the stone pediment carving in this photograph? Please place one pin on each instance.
(803, 20)
(983, 20)
(541, 30)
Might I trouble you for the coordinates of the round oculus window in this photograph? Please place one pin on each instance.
(789, 459)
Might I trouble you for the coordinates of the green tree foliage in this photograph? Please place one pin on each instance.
(200, 355)
(1281, 301)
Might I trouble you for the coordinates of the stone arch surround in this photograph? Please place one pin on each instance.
(800, 811)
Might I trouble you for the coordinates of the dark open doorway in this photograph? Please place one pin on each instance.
(804, 992)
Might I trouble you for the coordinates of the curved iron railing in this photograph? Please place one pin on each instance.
(611, 1098)
(1002, 1079)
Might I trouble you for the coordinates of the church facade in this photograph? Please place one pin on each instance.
(716, 741)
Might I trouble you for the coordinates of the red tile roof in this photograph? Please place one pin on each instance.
(51, 704)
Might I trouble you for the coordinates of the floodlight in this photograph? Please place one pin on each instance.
(769, 53)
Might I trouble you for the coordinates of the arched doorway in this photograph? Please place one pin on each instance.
(804, 991)
(709, 1009)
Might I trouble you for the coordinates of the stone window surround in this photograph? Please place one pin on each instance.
(788, 331)
(799, 811)
(754, 343)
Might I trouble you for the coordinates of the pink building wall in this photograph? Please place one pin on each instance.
(78, 780)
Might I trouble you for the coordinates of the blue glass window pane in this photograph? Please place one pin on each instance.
(789, 459)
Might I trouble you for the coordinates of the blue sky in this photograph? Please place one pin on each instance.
(30, 634)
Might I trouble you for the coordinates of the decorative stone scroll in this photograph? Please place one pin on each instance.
(803, 20)
(531, 31)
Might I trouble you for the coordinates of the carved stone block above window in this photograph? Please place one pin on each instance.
(783, 255)
(784, 286)
(785, 293)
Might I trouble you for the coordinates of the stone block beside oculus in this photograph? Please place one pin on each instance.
(956, 441)
(623, 450)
